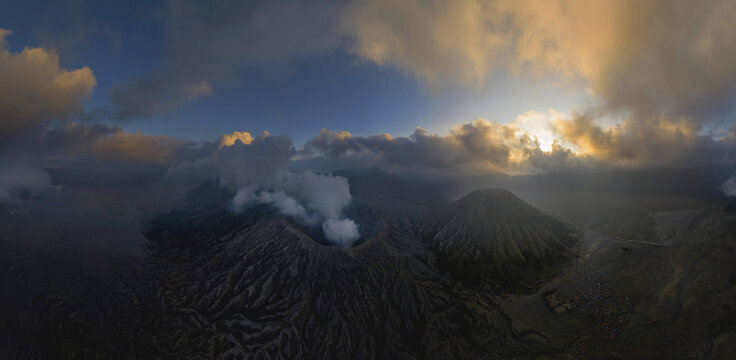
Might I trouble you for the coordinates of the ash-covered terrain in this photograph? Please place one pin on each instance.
(431, 277)
(260, 284)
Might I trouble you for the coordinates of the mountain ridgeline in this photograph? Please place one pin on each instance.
(261, 284)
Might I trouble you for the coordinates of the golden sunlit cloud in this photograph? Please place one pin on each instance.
(637, 55)
(539, 126)
(231, 138)
(35, 89)
(662, 66)
(433, 41)
(476, 147)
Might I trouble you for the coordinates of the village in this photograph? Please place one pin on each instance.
(594, 296)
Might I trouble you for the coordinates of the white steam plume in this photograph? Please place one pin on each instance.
(342, 232)
(259, 172)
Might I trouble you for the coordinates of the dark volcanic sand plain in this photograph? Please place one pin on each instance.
(669, 263)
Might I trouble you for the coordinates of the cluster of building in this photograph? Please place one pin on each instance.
(596, 298)
(557, 304)
(593, 295)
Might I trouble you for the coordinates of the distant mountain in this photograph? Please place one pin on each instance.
(700, 182)
(494, 234)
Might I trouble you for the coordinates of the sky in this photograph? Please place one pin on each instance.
(468, 86)
(122, 43)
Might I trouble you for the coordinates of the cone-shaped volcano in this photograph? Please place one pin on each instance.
(494, 234)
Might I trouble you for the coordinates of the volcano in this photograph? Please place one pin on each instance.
(216, 283)
(492, 234)
(260, 283)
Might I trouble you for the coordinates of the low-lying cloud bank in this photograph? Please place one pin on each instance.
(579, 145)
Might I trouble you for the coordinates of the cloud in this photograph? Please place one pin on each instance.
(39, 101)
(156, 94)
(665, 76)
(264, 161)
(729, 187)
(17, 176)
(480, 146)
(105, 143)
(230, 139)
(667, 67)
(194, 165)
(259, 172)
(658, 141)
(207, 43)
(559, 159)
(669, 57)
(74, 137)
(435, 41)
(577, 143)
(675, 57)
(95, 149)
(137, 147)
(35, 90)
